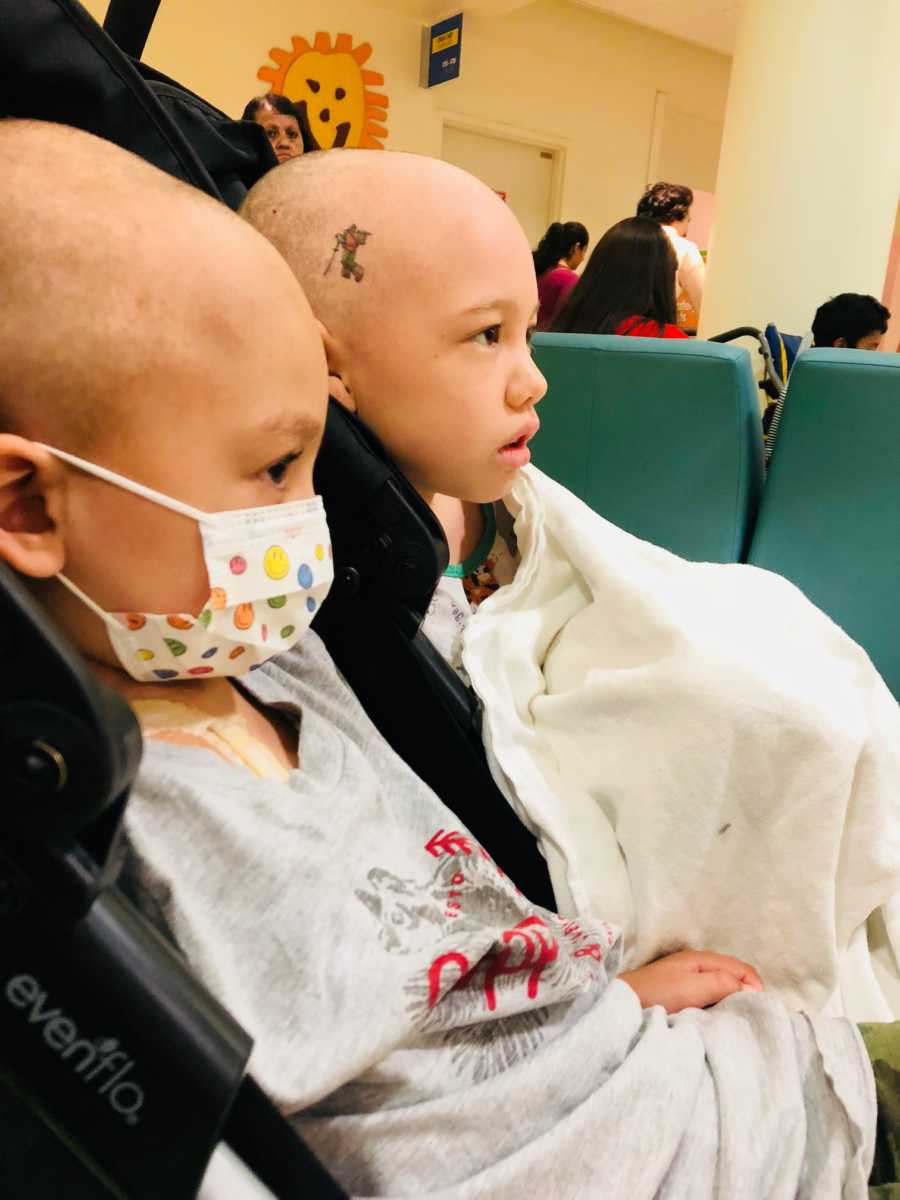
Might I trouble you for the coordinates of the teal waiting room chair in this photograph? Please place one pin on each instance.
(661, 437)
(830, 515)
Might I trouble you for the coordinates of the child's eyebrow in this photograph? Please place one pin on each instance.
(488, 306)
(492, 306)
(291, 424)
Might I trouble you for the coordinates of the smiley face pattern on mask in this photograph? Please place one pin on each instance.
(268, 576)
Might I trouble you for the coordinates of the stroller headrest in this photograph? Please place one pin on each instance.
(387, 543)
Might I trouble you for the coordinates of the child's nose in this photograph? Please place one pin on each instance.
(529, 386)
(540, 383)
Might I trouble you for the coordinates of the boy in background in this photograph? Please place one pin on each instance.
(851, 320)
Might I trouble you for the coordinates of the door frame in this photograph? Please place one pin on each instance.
(515, 133)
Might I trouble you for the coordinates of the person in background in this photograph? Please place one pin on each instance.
(628, 286)
(852, 321)
(670, 205)
(284, 122)
(560, 252)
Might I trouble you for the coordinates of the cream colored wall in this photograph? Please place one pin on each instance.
(567, 76)
(807, 213)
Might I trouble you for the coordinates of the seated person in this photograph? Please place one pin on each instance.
(560, 251)
(852, 321)
(284, 122)
(627, 286)
(425, 1027)
(703, 777)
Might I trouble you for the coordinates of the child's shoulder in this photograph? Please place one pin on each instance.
(301, 675)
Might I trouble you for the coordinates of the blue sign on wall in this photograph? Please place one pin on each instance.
(441, 51)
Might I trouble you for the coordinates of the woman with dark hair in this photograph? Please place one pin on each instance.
(284, 122)
(670, 205)
(628, 286)
(559, 252)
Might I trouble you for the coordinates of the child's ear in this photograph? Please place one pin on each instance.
(32, 487)
(336, 357)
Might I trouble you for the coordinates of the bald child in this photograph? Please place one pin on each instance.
(158, 503)
(691, 772)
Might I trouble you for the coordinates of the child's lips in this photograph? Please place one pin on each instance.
(516, 452)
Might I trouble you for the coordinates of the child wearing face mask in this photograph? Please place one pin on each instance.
(424, 1026)
(705, 777)
(269, 568)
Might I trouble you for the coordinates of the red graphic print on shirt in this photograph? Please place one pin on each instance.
(448, 843)
(536, 945)
(495, 942)
(478, 949)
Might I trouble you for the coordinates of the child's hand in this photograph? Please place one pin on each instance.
(691, 979)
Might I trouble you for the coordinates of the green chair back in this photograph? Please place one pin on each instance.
(830, 515)
(661, 437)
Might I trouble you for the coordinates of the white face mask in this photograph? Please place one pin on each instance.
(269, 570)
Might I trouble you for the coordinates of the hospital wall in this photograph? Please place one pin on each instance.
(580, 82)
(891, 296)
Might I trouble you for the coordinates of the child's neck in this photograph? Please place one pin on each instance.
(217, 697)
(463, 524)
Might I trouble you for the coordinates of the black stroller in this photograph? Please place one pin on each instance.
(778, 351)
(76, 947)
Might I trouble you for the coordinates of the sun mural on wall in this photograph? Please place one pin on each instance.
(331, 83)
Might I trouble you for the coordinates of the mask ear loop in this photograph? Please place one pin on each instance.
(85, 599)
(308, 506)
(129, 485)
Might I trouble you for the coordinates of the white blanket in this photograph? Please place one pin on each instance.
(706, 758)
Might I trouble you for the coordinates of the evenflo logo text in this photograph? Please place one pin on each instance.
(99, 1062)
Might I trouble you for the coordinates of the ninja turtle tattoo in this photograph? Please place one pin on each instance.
(348, 243)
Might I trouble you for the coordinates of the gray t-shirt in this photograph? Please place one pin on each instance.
(431, 1032)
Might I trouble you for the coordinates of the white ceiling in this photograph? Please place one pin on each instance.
(436, 10)
(710, 23)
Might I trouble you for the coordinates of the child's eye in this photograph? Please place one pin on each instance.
(488, 337)
(278, 470)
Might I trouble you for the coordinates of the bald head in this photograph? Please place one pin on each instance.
(108, 268)
(418, 215)
(424, 281)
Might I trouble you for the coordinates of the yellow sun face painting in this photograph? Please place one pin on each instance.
(331, 83)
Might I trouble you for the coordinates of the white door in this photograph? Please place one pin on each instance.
(522, 173)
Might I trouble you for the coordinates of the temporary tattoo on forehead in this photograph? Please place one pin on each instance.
(348, 243)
